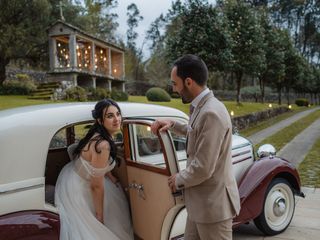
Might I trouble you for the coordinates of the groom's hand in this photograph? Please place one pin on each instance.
(172, 183)
(161, 125)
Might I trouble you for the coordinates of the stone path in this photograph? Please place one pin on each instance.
(259, 136)
(298, 147)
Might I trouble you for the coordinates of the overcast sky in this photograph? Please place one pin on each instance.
(149, 9)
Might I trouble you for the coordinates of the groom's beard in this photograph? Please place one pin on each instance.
(186, 96)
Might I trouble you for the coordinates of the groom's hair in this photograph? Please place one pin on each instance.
(192, 66)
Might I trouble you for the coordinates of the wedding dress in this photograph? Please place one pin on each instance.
(74, 201)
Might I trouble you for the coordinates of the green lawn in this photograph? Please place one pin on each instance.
(281, 138)
(309, 169)
(244, 109)
(19, 101)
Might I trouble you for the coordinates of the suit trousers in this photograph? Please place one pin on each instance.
(208, 231)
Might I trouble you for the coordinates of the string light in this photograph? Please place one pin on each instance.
(62, 54)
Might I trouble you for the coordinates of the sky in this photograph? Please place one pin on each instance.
(149, 9)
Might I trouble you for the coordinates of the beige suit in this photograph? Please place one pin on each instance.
(210, 189)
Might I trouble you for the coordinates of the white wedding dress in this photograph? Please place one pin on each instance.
(74, 201)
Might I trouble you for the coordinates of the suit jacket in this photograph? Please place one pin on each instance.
(210, 189)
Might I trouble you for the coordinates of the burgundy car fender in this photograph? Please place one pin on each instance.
(31, 224)
(254, 183)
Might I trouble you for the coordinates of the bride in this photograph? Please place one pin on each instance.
(90, 205)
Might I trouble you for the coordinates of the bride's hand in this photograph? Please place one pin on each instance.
(113, 179)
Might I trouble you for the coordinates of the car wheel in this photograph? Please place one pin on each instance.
(278, 208)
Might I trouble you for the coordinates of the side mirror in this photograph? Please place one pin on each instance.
(266, 150)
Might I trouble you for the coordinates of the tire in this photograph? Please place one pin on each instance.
(278, 208)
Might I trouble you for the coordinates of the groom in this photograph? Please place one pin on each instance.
(210, 189)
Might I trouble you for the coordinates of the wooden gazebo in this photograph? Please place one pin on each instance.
(80, 59)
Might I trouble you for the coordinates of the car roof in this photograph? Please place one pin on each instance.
(26, 132)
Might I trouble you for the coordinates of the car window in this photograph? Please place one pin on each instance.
(179, 145)
(80, 131)
(148, 145)
(59, 140)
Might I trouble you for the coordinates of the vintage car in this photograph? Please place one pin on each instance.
(33, 150)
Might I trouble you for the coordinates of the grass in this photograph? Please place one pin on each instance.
(285, 135)
(269, 122)
(309, 168)
(243, 109)
(13, 101)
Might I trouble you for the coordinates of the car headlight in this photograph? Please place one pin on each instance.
(266, 150)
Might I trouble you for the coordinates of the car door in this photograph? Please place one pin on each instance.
(150, 160)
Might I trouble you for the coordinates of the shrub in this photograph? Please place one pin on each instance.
(302, 102)
(23, 77)
(76, 94)
(119, 95)
(98, 93)
(175, 95)
(17, 87)
(156, 94)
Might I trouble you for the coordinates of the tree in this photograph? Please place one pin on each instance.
(198, 29)
(96, 18)
(294, 65)
(247, 37)
(22, 30)
(134, 18)
(274, 46)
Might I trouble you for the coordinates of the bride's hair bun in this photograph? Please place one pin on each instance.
(94, 114)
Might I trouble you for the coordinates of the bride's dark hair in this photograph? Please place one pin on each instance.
(98, 127)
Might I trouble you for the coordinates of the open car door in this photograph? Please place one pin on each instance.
(150, 160)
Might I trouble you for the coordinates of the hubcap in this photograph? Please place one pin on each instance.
(279, 207)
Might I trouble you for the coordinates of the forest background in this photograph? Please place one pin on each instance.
(250, 46)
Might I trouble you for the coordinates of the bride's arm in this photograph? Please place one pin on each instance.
(112, 178)
(97, 183)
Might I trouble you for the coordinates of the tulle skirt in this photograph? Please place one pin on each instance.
(74, 201)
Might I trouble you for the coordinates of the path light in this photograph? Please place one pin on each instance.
(270, 105)
(290, 106)
(232, 113)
